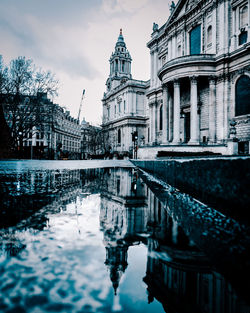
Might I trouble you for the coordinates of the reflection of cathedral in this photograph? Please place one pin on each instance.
(122, 218)
(178, 274)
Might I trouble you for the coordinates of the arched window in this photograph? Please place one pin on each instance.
(242, 96)
(119, 136)
(195, 40)
(161, 117)
(209, 36)
(243, 16)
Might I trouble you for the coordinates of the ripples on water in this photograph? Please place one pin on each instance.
(100, 240)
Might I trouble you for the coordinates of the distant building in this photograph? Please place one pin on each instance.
(91, 141)
(48, 131)
(200, 79)
(124, 106)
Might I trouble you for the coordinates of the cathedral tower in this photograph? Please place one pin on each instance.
(120, 64)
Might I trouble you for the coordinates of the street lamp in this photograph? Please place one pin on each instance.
(134, 139)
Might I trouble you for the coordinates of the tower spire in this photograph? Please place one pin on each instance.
(120, 31)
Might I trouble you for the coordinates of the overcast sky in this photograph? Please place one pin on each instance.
(75, 38)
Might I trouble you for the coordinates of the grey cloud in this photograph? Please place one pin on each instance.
(60, 57)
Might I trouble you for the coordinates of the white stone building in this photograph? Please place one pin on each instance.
(48, 131)
(124, 105)
(200, 79)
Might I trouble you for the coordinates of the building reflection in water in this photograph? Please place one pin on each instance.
(122, 219)
(178, 274)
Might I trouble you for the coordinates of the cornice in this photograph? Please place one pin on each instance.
(129, 119)
(189, 17)
(141, 84)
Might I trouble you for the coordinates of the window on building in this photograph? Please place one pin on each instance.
(115, 109)
(209, 36)
(123, 66)
(242, 37)
(161, 117)
(108, 111)
(119, 107)
(195, 40)
(124, 105)
(243, 16)
(242, 96)
(119, 136)
(116, 65)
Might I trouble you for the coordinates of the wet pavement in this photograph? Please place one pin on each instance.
(105, 237)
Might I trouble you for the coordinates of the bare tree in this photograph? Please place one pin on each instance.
(22, 88)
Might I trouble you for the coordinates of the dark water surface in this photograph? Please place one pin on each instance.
(113, 240)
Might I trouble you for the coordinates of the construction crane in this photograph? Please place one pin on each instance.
(80, 108)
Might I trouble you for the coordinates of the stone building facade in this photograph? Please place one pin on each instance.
(200, 79)
(124, 105)
(48, 130)
(91, 141)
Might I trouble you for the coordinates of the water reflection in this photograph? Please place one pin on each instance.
(103, 240)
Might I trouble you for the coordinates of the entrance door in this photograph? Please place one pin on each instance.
(187, 127)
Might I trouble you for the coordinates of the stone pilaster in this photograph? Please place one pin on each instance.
(165, 125)
(212, 110)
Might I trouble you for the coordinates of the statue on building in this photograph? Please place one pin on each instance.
(155, 27)
(172, 7)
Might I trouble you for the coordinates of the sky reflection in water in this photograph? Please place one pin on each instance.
(99, 240)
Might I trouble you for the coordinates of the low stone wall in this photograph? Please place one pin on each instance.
(220, 183)
(151, 152)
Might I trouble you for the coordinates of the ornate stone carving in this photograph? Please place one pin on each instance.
(212, 80)
(193, 79)
(176, 83)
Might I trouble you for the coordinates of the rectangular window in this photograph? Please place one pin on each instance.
(195, 40)
(243, 38)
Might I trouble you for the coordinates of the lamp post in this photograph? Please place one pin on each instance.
(134, 140)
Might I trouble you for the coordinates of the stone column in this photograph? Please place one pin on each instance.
(165, 125)
(154, 125)
(212, 115)
(226, 108)
(170, 118)
(151, 122)
(177, 99)
(194, 134)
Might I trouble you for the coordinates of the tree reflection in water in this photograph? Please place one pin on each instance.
(180, 271)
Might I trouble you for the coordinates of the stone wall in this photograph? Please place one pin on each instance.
(220, 183)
